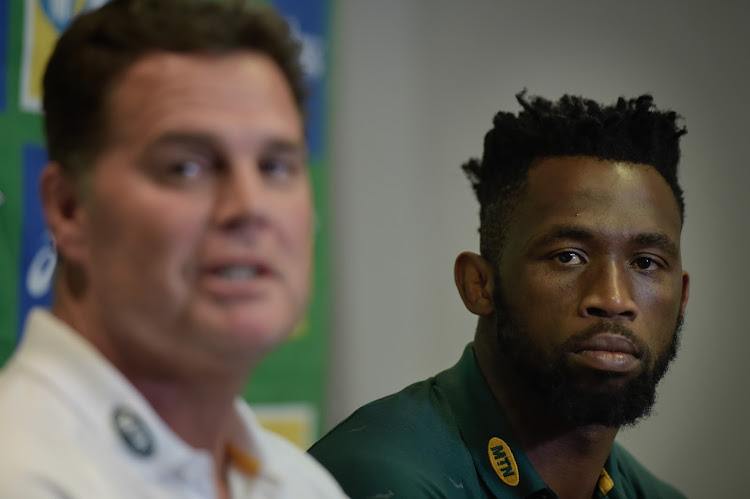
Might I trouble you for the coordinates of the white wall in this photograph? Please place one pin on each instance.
(416, 85)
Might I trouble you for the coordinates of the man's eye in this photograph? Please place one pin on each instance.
(569, 258)
(646, 263)
(186, 173)
(187, 169)
(279, 168)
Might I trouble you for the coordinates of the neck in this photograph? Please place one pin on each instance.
(569, 459)
(193, 396)
(191, 391)
(203, 416)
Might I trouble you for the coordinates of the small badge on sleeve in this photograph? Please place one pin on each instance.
(503, 461)
(133, 431)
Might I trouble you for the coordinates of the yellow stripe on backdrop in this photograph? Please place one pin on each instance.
(44, 20)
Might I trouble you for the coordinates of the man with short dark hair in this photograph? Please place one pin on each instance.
(580, 294)
(179, 199)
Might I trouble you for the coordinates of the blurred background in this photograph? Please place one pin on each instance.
(403, 93)
(415, 85)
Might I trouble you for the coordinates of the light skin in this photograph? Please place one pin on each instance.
(190, 243)
(590, 241)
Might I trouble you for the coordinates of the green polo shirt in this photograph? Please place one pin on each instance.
(447, 437)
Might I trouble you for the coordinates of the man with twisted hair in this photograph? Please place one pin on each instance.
(580, 294)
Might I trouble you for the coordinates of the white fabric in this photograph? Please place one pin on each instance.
(58, 438)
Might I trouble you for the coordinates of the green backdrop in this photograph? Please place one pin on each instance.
(288, 387)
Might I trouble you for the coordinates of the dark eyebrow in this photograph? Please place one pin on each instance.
(202, 140)
(557, 232)
(572, 232)
(278, 146)
(209, 142)
(658, 240)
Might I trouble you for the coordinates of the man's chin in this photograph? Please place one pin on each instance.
(612, 401)
(604, 383)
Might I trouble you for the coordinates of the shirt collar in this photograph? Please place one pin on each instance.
(498, 456)
(111, 407)
(494, 447)
(254, 446)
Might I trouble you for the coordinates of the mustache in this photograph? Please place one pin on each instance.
(604, 326)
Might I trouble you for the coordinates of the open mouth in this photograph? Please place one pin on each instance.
(238, 272)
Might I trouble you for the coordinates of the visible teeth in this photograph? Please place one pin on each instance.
(238, 272)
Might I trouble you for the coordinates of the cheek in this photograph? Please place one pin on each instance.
(546, 289)
(542, 304)
(148, 236)
(536, 296)
(296, 227)
(296, 239)
(660, 308)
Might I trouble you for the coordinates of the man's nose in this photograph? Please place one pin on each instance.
(608, 293)
(241, 197)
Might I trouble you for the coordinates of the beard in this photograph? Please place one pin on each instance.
(598, 398)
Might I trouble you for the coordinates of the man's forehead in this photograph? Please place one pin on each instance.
(166, 92)
(587, 177)
(597, 193)
(571, 161)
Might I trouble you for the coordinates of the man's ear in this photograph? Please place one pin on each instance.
(62, 205)
(474, 281)
(685, 291)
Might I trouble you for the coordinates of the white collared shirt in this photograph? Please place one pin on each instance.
(71, 426)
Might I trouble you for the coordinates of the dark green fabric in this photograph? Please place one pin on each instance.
(431, 440)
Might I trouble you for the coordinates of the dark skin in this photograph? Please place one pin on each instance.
(590, 241)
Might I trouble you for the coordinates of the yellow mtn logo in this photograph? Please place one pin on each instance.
(503, 461)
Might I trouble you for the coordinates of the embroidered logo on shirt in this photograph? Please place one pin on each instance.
(503, 461)
(133, 431)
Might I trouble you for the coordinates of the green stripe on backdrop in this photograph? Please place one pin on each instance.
(294, 374)
(16, 129)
